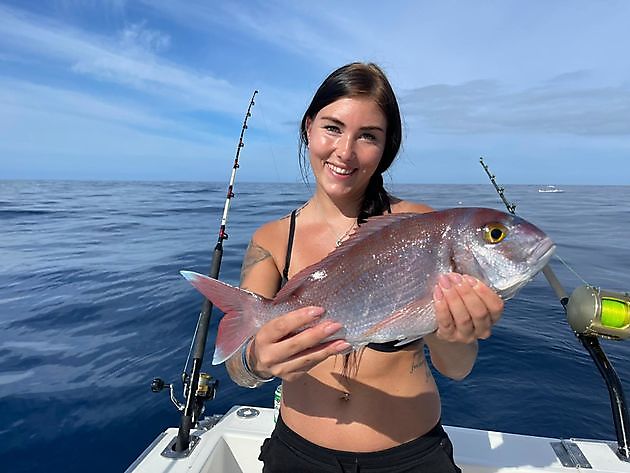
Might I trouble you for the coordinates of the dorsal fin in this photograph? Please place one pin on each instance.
(373, 225)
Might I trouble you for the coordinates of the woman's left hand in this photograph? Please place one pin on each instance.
(465, 308)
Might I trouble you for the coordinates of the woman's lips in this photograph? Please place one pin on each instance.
(339, 170)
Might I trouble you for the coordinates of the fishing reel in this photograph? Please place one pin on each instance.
(206, 390)
(158, 384)
(594, 311)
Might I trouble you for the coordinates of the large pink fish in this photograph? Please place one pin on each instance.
(379, 283)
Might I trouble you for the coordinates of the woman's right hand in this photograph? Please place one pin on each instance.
(278, 349)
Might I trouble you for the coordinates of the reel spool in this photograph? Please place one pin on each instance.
(594, 311)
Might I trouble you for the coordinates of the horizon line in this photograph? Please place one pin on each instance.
(246, 181)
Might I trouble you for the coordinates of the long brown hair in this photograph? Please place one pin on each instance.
(361, 80)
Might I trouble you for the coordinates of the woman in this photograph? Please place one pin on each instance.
(377, 409)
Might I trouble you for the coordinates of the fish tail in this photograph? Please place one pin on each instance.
(240, 308)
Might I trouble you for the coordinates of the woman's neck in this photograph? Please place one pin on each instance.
(335, 209)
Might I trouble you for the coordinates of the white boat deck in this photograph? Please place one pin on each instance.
(232, 446)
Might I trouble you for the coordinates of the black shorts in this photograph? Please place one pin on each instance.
(286, 451)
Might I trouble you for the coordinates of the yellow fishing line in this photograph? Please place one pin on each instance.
(615, 313)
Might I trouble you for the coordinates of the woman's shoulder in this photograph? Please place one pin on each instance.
(272, 233)
(264, 257)
(401, 206)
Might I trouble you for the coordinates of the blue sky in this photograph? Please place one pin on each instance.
(157, 90)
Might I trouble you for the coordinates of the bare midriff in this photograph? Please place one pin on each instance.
(390, 399)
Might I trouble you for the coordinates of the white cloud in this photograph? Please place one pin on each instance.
(128, 63)
(562, 105)
(137, 36)
(38, 122)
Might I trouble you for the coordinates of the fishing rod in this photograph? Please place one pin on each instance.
(200, 387)
(593, 312)
(511, 207)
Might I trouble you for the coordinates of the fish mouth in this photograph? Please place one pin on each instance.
(541, 254)
(538, 259)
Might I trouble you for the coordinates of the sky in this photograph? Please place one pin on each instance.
(157, 89)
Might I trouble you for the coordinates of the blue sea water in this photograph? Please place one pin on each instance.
(92, 308)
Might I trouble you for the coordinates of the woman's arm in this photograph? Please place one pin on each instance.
(259, 274)
(279, 348)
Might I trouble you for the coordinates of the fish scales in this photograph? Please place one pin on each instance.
(379, 283)
(357, 295)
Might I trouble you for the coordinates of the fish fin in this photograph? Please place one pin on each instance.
(240, 308)
(412, 309)
(373, 225)
(376, 224)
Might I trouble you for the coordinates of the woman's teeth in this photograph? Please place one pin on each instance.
(338, 170)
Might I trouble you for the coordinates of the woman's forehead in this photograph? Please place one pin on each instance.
(355, 109)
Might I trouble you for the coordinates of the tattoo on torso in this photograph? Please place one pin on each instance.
(418, 361)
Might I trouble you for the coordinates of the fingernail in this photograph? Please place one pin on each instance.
(438, 295)
(456, 278)
(342, 346)
(332, 327)
(470, 280)
(444, 281)
(315, 312)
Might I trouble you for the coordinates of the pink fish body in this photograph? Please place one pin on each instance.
(379, 283)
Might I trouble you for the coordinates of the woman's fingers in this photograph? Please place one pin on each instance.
(472, 306)
(490, 298)
(446, 324)
(476, 308)
(307, 359)
(463, 324)
(294, 343)
(309, 337)
(284, 325)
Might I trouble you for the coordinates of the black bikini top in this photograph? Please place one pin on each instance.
(383, 347)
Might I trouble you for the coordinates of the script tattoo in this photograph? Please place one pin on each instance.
(418, 360)
(253, 255)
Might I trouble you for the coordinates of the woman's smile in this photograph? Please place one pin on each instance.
(346, 141)
(338, 170)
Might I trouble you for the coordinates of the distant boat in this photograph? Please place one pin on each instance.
(550, 189)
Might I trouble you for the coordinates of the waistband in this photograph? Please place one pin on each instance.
(378, 459)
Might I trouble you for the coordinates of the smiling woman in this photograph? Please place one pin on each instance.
(331, 414)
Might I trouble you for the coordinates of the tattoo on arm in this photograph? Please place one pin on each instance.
(253, 255)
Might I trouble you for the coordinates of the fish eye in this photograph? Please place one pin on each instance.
(494, 233)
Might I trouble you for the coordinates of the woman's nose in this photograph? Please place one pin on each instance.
(345, 147)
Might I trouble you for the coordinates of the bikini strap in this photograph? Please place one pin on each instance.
(287, 262)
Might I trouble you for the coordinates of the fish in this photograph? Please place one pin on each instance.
(378, 284)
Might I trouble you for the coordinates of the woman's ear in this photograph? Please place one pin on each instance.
(307, 127)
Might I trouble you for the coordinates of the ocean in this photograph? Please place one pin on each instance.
(92, 308)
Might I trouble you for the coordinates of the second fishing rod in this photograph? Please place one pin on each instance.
(200, 387)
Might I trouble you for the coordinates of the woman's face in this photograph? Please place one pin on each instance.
(346, 140)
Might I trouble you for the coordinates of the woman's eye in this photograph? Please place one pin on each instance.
(332, 128)
(369, 136)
